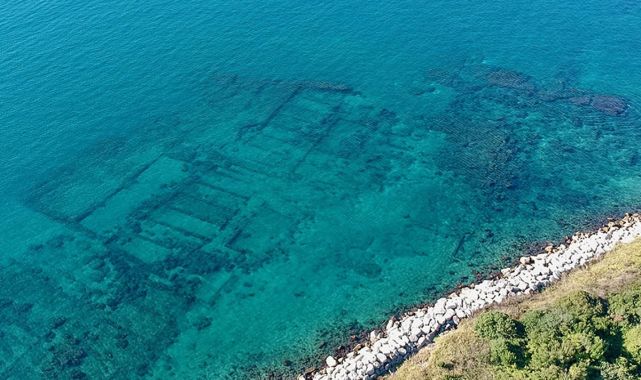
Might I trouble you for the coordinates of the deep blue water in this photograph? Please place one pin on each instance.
(205, 190)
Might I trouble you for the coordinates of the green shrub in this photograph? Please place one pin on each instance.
(581, 311)
(621, 369)
(569, 335)
(583, 347)
(546, 373)
(503, 352)
(543, 338)
(632, 342)
(496, 325)
(625, 307)
(578, 371)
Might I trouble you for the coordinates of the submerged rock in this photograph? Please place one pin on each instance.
(510, 79)
(582, 100)
(326, 86)
(609, 104)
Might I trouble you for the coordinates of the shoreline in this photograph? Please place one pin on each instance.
(401, 337)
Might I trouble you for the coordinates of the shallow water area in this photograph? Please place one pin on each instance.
(192, 192)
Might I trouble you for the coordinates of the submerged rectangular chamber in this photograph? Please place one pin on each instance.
(156, 218)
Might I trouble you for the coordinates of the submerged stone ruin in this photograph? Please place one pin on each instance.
(161, 224)
(159, 242)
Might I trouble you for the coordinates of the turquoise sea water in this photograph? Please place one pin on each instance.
(206, 190)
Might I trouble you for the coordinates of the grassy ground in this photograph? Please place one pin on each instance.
(614, 283)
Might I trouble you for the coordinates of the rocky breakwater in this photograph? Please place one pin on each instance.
(402, 337)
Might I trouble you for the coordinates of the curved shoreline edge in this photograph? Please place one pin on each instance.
(416, 329)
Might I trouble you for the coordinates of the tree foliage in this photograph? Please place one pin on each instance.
(581, 336)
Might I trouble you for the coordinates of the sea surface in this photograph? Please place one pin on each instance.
(232, 190)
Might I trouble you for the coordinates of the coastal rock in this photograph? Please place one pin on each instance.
(525, 260)
(369, 369)
(449, 314)
(331, 362)
(451, 304)
(351, 367)
(386, 349)
(390, 324)
(406, 325)
(439, 307)
(417, 323)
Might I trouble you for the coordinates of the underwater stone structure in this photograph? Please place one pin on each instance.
(402, 338)
(153, 242)
(159, 228)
